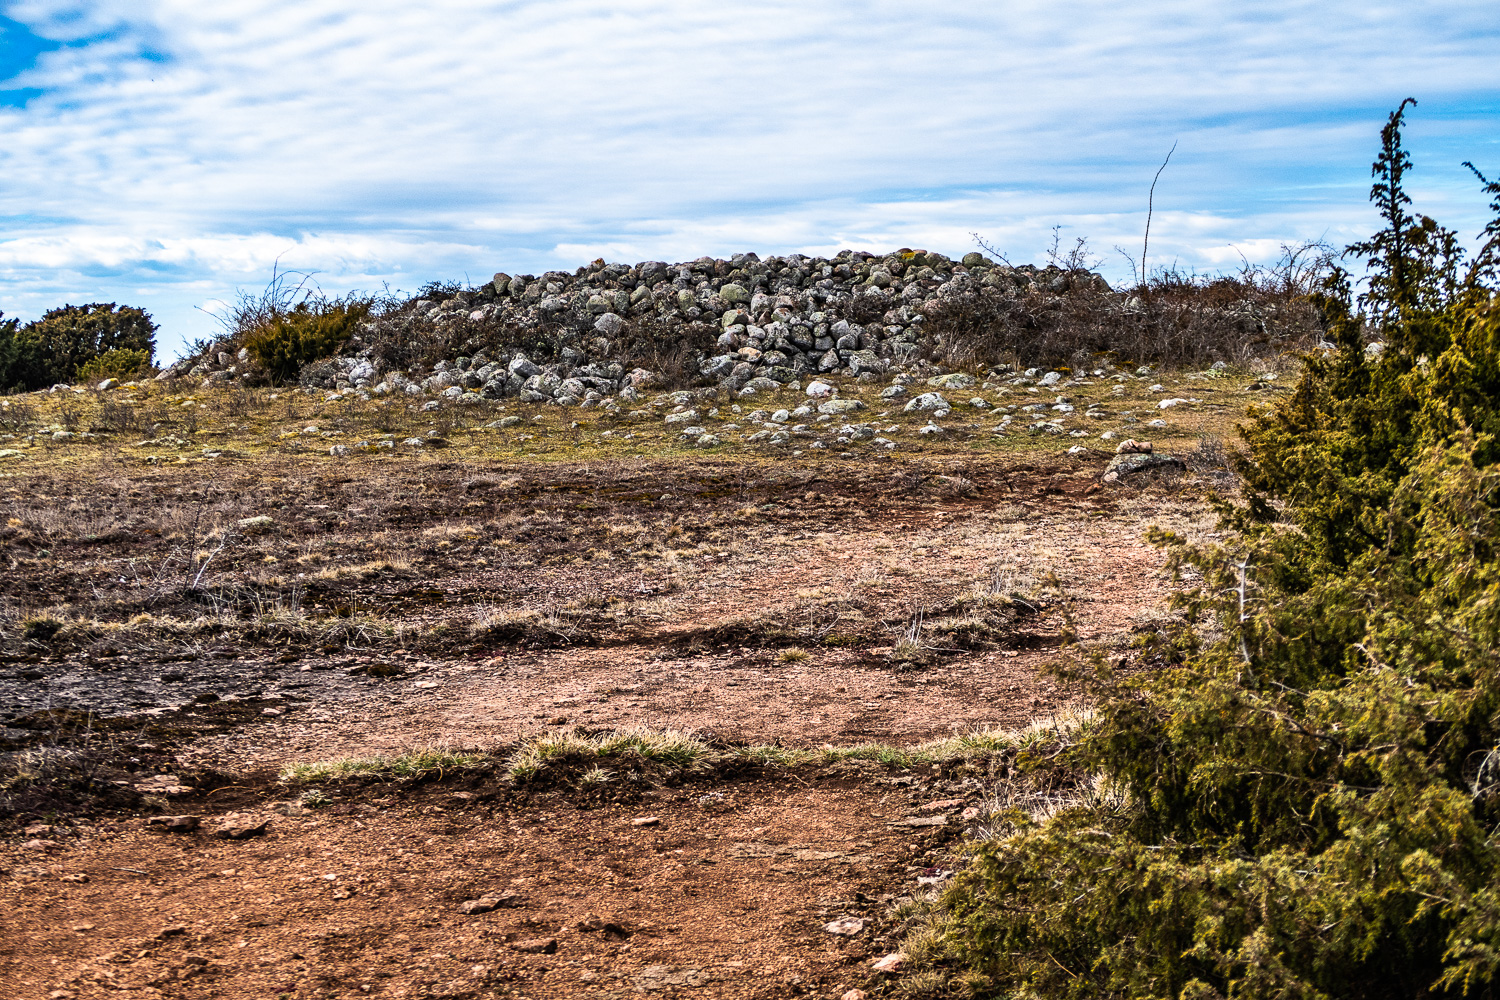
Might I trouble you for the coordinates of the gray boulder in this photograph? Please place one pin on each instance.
(928, 401)
(1133, 463)
(717, 367)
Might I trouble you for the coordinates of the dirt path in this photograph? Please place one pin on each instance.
(727, 892)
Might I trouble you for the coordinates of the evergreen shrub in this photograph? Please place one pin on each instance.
(311, 330)
(1306, 791)
(55, 347)
(121, 363)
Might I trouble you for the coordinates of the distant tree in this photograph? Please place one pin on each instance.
(55, 347)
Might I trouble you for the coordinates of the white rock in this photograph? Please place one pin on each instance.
(818, 389)
(928, 401)
(845, 926)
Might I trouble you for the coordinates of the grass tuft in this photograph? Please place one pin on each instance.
(414, 763)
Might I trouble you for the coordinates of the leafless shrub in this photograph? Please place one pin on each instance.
(1069, 316)
(115, 417)
(16, 416)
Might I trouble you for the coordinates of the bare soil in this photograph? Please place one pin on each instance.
(471, 605)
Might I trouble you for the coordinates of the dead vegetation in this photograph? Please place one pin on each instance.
(1172, 318)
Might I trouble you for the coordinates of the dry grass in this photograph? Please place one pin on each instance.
(215, 425)
(579, 752)
(414, 763)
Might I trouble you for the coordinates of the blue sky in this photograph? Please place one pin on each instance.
(166, 154)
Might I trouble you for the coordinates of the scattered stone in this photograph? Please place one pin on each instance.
(665, 977)
(894, 962)
(854, 995)
(340, 451)
(817, 389)
(241, 826)
(171, 931)
(953, 380)
(176, 824)
(793, 852)
(41, 845)
(845, 926)
(928, 401)
(166, 785)
(535, 946)
(38, 830)
(646, 821)
(942, 805)
(486, 904)
(1133, 447)
(921, 821)
(1132, 463)
(256, 525)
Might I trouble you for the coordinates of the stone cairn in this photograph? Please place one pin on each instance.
(772, 322)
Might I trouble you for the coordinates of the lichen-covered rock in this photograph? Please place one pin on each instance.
(1132, 463)
(928, 401)
(953, 380)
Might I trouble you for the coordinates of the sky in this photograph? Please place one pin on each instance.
(171, 154)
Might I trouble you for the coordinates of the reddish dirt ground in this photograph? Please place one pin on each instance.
(730, 897)
(763, 611)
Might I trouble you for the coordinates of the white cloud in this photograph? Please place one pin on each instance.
(179, 148)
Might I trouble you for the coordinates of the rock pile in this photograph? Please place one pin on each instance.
(760, 323)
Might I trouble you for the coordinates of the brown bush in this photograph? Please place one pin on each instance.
(1173, 318)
